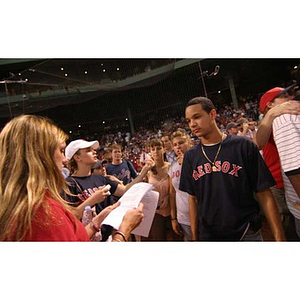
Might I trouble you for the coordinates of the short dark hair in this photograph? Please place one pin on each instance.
(206, 103)
(156, 143)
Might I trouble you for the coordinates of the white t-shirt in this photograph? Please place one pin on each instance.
(286, 131)
(182, 198)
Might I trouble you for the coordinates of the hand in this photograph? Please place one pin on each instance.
(101, 193)
(245, 126)
(114, 178)
(289, 107)
(104, 213)
(176, 227)
(297, 205)
(149, 164)
(180, 157)
(132, 219)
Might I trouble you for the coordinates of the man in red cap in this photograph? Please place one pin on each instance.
(274, 103)
(288, 147)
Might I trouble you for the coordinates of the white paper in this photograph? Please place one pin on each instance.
(150, 204)
(139, 192)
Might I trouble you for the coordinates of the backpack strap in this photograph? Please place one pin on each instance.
(131, 169)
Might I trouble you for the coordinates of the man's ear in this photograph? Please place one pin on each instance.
(213, 114)
(269, 105)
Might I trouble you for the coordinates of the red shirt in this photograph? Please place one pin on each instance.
(272, 160)
(60, 225)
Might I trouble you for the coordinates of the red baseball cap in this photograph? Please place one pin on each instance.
(268, 97)
(271, 94)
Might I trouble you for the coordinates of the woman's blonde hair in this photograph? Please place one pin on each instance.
(27, 171)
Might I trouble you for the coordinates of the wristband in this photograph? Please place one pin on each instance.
(95, 226)
(122, 234)
(174, 219)
(117, 240)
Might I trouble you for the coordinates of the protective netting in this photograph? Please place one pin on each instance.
(90, 92)
(54, 82)
(110, 95)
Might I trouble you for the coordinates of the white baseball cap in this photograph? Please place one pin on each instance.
(74, 146)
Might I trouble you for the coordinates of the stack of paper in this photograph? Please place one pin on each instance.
(139, 192)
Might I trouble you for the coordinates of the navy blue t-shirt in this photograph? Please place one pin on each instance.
(125, 171)
(85, 186)
(226, 201)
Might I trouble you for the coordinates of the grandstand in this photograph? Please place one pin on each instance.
(108, 95)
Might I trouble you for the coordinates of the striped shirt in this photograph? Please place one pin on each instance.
(286, 131)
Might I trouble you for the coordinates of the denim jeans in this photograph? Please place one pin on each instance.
(252, 236)
(297, 225)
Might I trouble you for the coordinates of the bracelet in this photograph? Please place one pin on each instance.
(117, 240)
(122, 234)
(95, 226)
(174, 219)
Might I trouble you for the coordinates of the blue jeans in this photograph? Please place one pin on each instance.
(297, 225)
(252, 236)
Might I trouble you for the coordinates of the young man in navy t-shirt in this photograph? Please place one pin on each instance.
(221, 175)
(121, 168)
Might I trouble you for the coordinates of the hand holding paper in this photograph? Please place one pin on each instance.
(139, 192)
(132, 218)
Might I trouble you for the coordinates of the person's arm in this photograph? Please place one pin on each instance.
(174, 222)
(98, 219)
(245, 129)
(264, 131)
(254, 136)
(131, 220)
(98, 197)
(121, 189)
(287, 141)
(269, 207)
(265, 128)
(193, 207)
(114, 178)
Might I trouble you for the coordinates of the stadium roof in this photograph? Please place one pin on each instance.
(30, 86)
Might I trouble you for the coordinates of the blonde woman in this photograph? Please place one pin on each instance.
(179, 200)
(31, 206)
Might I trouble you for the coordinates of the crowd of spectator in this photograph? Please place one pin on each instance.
(134, 144)
(202, 124)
